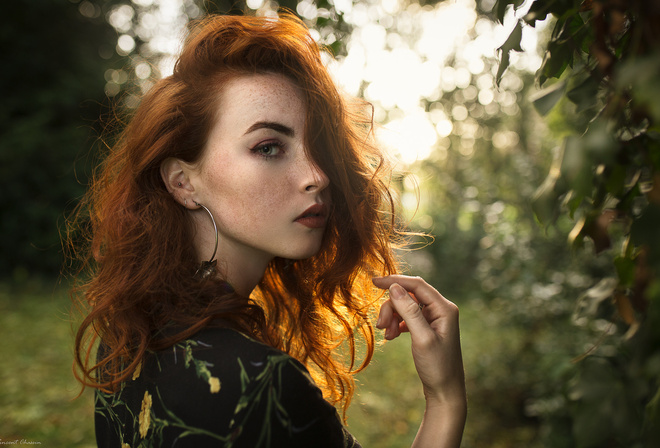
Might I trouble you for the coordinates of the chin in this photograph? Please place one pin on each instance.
(304, 254)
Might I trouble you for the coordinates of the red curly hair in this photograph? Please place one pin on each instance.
(139, 259)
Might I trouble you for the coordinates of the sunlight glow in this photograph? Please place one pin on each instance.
(399, 67)
(412, 136)
(255, 4)
(401, 57)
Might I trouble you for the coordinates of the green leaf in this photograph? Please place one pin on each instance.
(538, 11)
(598, 143)
(502, 5)
(616, 180)
(625, 269)
(573, 202)
(188, 357)
(511, 43)
(545, 99)
(575, 166)
(559, 26)
(545, 200)
(504, 64)
(644, 232)
(571, 30)
(555, 61)
(501, 10)
(584, 94)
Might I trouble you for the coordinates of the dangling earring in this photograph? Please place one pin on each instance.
(208, 267)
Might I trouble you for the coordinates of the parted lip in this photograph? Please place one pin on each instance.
(320, 210)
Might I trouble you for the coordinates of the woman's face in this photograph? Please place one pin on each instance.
(268, 197)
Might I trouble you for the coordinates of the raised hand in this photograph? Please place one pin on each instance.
(415, 306)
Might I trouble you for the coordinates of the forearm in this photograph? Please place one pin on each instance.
(442, 426)
(432, 320)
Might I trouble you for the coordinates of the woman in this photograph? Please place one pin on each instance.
(241, 237)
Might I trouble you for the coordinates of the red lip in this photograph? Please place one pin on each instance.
(314, 217)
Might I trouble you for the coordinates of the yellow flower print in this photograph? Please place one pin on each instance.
(136, 375)
(215, 384)
(145, 415)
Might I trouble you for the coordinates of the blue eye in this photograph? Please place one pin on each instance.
(268, 150)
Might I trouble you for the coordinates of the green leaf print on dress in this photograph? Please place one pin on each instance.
(261, 389)
(265, 389)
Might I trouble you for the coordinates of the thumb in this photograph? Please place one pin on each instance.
(408, 309)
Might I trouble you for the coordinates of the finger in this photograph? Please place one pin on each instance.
(392, 331)
(385, 315)
(397, 326)
(423, 292)
(408, 309)
(386, 282)
(389, 320)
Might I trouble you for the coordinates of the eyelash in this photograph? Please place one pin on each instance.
(257, 149)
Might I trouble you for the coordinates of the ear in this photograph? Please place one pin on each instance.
(176, 176)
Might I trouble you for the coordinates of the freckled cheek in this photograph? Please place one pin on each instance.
(269, 202)
(256, 199)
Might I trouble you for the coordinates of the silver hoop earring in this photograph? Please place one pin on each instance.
(208, 267)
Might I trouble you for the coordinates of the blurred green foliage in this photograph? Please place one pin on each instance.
(52, 90)
(601, 93)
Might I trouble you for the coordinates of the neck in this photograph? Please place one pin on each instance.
(241, 272)
(241, 266)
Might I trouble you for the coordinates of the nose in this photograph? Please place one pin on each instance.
(314, 179)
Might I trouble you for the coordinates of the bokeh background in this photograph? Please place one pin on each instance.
(527, 147)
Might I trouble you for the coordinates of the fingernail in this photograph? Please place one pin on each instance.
(387, 333)
(397, 291)
(378, 322)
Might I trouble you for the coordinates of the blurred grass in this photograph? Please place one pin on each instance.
(37, 388)
(388, 404)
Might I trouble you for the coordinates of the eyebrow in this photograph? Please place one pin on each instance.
(278, 127)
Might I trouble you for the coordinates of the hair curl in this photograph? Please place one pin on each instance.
(138, 255)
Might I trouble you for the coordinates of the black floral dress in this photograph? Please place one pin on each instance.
(219, 389)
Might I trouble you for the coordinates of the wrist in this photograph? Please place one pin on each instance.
(454, 409)
(442, 425)
(455, 397)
